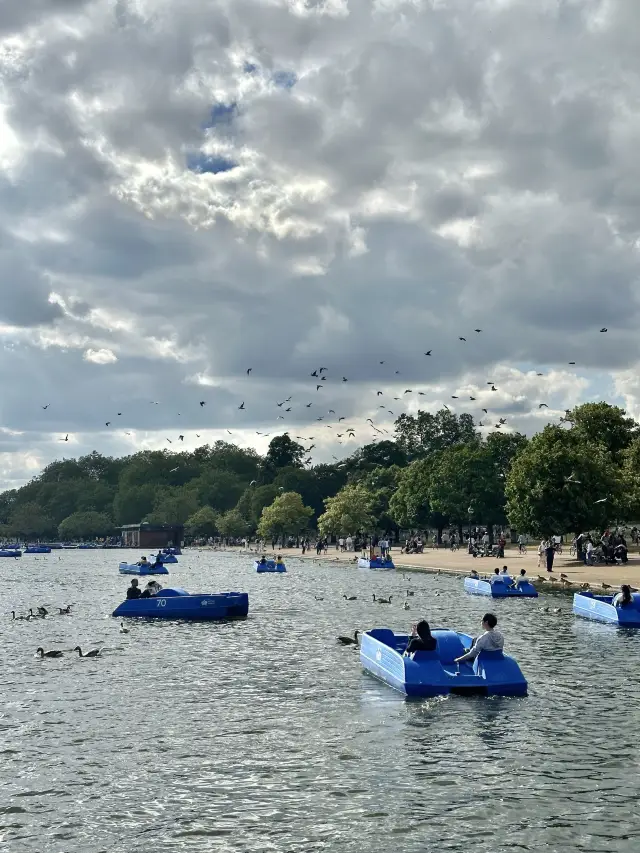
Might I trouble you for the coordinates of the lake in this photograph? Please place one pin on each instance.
(265, 734)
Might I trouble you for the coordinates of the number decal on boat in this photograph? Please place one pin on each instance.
(162, 602)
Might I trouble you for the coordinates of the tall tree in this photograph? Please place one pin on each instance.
(28, 521)
(601, 423)
(287, 515)
(410, 505)
(85, 525)
(232, 525)
(283, 452)
(425, 433)
(203, 522)
(351, 511)
(562, 483)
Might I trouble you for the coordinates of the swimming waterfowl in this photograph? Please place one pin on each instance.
(349, 641)
(65, 611)
(52, 653)
(123, 630)
(92, 653)
(351, 597)
(32, 615)
(42, 611)
(410, 592)
(382, 600)
(319, 597)
(406, 606)
(17, 618)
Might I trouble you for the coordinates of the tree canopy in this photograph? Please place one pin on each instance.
(286, 515)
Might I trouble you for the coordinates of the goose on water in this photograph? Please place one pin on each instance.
(406, 606)
(92, 653)
(42, 611)
(123, 630)
(53, 653)
(349, 641)
(319, 597)
(65, 611)
(410, 592)
(382, 600)
(351, 597)
(17, 618)
(32, 615)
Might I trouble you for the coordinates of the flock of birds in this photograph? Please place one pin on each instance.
(290, 411)
(43, 613)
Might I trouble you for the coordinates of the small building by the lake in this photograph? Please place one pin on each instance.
(149, 536)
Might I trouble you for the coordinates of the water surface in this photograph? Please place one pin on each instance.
(265, 735)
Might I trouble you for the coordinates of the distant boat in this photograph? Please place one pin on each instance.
(148, 569)
(599, 608)
(500, 586)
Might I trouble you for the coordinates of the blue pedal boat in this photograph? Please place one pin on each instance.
(378, 564)
(599, 608)
(175, 551)
(176, 603)
(10, 552)
(427, 674)
(37, 549)
(134, 569)
(269, 566)
(169, 558)
(500, 586)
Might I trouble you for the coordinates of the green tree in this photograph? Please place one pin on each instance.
(379, 454)
(203, 522)
(287, 515)
(85, 525)
(601, 423)
(381, 483)
(464, 478)
(133, 504)
(218, 489)
(410, 504)
(562, 483)
(173, 506)
(352, 510)
(424, 433)
(254, 500)
(29, 521)
(283, 452)
(232, 525)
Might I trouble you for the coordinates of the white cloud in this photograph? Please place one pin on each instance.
(100, 356)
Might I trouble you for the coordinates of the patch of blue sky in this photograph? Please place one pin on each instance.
(213, 164)
(284, 79)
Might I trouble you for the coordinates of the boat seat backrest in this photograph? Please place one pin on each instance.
(449, 645)
(424, 655)
(384, 635)
(491, 655)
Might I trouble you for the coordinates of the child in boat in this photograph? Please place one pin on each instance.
(279, 560)
(152, 588)
(143, 561)
(490, 641)
(421, 639)
(521, 579)
(263, 560)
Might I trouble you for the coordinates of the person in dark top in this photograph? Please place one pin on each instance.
(134, 590)
(421, 639)
(263, 560)
(159, 558)
(623, 598)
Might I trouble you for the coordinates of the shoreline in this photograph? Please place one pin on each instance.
(434, 561)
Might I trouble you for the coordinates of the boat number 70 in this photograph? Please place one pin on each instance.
(162, 602)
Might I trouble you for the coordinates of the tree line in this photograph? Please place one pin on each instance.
(437, 471)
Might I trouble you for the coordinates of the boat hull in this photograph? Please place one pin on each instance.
(428, 674)
(132, 569)
(169, 558)
(269, 566)
(37, 549)
(599, 608)
(500, 588)
(193, 608)
(377, 565)
(10, 553)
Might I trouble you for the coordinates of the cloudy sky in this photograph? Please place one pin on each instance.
(189, 189)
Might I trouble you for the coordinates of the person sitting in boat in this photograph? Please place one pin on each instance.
(505, 570)
(421, 639)
(495, 576)
(522, 578)
(474, 575)
(490, 641)
(134, 590)
(623, 598)
(142, 562)
(152, 588)
(279, 560)
(263, 560)
(159, 558)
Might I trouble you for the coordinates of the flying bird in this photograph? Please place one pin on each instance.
(477, 330)
(322, 369)
(66, 438)
(173, 470)
(288, 410)
(493, 388)
(378, 393)
(486, 411)
(539, 374)
(572, 362)
(472, 398)
(603, 329)
(428, 352)
(169, 440)
(462, 339)
(197, 436)
(453, 397)
(408, 391)
(241, 406)
(315, 373)
(202, 403)
(601, 501)
(108, 423)
(280, 405)
(181, 437)
(47, 406)
(542, 406)
(344, 379)
(249, 369)
(340, 419)
(318, 387)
